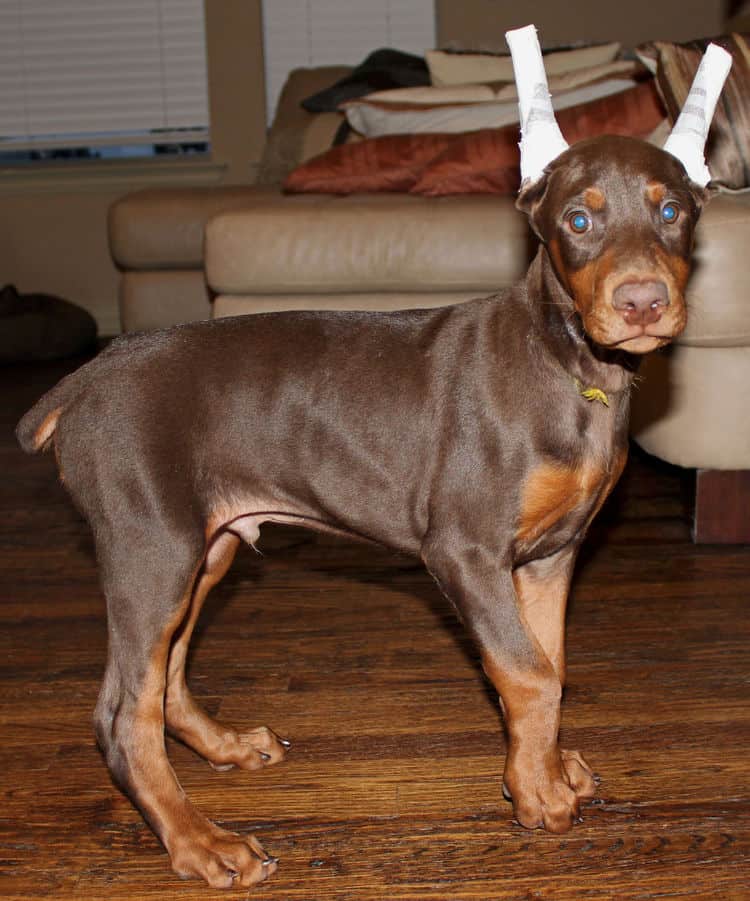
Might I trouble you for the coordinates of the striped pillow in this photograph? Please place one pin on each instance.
(728, 147)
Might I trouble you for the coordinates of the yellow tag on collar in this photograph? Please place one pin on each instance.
(592, 394)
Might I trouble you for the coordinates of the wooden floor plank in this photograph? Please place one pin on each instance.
(392, 788)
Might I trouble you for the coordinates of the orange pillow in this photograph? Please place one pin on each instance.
(388, 163)
(477, 162)
(487, 161)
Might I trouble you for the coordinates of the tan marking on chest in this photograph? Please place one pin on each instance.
(610, 480)
(550, 493)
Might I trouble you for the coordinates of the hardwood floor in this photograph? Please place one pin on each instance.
(392, 788)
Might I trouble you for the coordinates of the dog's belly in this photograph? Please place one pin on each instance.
(246, 525)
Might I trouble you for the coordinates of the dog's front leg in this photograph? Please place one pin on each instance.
(517, 621)
(542, 588)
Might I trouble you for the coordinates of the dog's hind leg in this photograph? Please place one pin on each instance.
(221, 745)
(148, 573)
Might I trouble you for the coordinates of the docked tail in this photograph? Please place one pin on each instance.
(36, 428)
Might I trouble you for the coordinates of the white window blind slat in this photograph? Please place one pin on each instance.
(328, 32)
(100, 68)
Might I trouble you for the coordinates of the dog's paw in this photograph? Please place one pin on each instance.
(552, 805)
(251, 750)
(223, 859)
(550, 798)
(578, 775)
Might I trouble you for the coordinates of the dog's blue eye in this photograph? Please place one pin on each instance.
(669, 212)
(579, 222)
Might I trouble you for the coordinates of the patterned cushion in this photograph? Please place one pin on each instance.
(728, 147)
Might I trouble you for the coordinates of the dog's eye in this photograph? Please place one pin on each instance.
(579, 222)
(670, 212)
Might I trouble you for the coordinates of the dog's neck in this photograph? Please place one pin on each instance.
(559, 329)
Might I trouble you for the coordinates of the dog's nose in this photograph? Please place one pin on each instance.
(641, 302)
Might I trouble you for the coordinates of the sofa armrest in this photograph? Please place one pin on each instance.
(162, 228)
(295, 134)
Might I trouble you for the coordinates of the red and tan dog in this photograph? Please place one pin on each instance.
(482, 438)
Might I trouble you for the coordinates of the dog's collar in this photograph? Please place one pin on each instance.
(591, 393)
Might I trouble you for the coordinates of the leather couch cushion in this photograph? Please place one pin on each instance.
(322, 244)
(149, 300)
(244, 304)
(718, 308)
(162, 228)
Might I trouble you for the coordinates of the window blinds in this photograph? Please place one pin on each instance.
(326, 32)
(90, 72)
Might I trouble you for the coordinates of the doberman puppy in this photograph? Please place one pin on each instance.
(481, 437)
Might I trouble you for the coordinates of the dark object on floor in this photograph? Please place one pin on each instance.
(381, 70)
(42, 327)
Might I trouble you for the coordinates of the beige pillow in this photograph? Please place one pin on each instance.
(434, 96)
(479, 93)
(474, 68)
(373, 118)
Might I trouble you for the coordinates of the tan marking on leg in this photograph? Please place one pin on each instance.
(184, 718)
(546, 784)
(196, 846)
(218, 743)
(542, 590)
(534, 777)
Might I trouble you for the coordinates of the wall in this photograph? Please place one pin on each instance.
(482, 23)
(53, 228)
(53, 223)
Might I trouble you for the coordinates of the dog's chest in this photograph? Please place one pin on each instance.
(558, 502)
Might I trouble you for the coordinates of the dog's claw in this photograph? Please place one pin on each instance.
(285, 742)
(263, 756)
(269, 861)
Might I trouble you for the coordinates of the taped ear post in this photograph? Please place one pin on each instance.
(541, 138)
(687, 140)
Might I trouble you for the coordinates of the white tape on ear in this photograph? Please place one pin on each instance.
(687, 140)
(541, 138)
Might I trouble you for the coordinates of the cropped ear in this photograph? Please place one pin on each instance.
(531, 199)
(702, 195)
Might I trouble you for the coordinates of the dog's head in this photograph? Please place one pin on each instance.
(617, 216)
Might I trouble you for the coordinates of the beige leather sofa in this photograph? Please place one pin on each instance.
(265, 251)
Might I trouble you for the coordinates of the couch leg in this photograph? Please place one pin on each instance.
(722, 507)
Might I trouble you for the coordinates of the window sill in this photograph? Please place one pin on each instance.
(94, 175)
